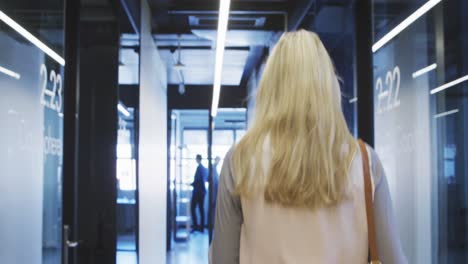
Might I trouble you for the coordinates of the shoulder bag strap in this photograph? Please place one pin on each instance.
(369, 204)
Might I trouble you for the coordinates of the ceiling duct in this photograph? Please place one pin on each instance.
(243, 38)
(235, 22)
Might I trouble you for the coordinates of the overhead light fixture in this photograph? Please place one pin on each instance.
(27, 35)
(123, 110)
(406, 23)
(10, 73)
(450, 84)
(224, 6)
(181, 89)
(424, 70)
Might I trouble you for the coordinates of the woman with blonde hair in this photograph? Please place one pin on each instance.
(292, 190)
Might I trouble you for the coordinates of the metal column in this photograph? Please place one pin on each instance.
(210, 178)
(364, 70)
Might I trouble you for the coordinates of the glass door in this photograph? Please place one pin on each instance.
(127, 150)
(189, 138)
(126, 188)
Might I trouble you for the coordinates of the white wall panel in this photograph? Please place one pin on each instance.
(152, 148)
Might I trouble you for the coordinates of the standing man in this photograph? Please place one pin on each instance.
(198, 195)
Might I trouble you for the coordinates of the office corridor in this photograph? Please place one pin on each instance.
(105, 106)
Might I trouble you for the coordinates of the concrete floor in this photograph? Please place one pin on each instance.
(126, 257)
(195, 251)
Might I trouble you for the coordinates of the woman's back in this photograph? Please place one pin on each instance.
(276, 234)
(251, 230)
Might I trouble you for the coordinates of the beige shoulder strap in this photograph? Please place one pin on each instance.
(369, 204)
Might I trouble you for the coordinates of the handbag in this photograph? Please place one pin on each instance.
(373, 254)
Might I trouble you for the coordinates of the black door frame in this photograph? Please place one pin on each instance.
(70, 127)
(364, 70)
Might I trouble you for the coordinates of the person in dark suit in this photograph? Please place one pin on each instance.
(198, 195)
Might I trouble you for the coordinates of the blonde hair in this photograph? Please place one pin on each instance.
(298, 114)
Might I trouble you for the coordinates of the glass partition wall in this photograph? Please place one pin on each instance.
(31, 111)
(421, 122)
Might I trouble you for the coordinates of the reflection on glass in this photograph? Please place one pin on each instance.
(31, 110)
(421, 124)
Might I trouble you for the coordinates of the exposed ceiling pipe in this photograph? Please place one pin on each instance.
(178, 66)
(236, 37)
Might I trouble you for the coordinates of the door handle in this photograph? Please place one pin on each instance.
(72, 244)
(67, 244)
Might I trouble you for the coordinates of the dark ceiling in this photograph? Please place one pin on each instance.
(190, 25)
(181, 16)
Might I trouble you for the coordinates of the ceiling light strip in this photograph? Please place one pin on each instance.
(27, 35)
(10, 73)
(123, 110)
(451, 112)
(404, 24)
(224, 6)
(450, 84)
(424, 70)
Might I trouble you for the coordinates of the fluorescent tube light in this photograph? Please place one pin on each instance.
(451, 112)
(224, 6)
(450, 84)
(27, 35)
(10, 73)
(424, 70)
(404, 24)
(123, 110)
